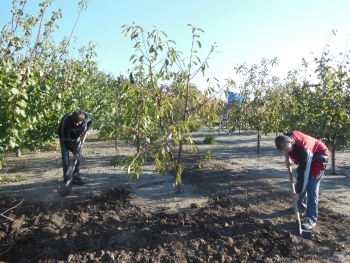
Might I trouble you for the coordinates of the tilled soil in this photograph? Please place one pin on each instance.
(248, 217)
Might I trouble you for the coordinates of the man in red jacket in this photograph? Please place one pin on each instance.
(311, 156)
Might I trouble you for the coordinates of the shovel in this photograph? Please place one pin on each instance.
(299, 232)
(65, 188)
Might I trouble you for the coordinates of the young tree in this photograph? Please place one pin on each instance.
(157, 104)
(255, 90)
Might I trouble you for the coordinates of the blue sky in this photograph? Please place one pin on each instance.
(245, 31)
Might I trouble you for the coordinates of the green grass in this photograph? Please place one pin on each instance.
(6, 179)
(50, 146)
(209, 139)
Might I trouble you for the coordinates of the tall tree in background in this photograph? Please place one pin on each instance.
(324, 105)
(35, 74)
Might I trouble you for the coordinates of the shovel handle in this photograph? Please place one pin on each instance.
(76, 160)
(295, 203)
(81, 145)
(82, 142)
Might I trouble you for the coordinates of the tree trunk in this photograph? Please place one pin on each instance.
(178, 182)
(333, 161)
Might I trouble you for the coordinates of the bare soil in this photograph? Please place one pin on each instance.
(236, 208)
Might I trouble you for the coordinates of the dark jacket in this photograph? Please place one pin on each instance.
(311, 156)
(70, 134)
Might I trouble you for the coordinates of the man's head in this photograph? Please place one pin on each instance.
(283, 143)
(78, 117)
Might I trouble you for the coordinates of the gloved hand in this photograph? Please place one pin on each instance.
(76, 156)
(295, 197)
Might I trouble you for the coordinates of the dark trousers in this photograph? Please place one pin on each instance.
(66, 160)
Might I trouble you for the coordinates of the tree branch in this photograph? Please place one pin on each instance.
(2, 214)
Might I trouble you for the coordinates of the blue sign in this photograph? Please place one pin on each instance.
(233, 96)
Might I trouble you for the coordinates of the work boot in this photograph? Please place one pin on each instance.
(77, 180)
(307, 223)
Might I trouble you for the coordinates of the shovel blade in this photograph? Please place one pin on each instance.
(64, 189)
(305, 235)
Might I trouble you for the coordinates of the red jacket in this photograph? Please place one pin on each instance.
(311, 155)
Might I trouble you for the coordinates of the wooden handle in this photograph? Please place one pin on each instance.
(295, 202)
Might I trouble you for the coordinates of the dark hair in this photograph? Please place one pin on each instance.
(281, 142)
(78, 116)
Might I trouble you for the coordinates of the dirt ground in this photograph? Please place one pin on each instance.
(236, 208)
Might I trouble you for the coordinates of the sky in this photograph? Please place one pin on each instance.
(245, 31)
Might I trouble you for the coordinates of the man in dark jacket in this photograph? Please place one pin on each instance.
(311, 156)
(71, 128)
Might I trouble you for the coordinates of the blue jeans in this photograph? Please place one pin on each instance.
(66, 161)
(309, 198)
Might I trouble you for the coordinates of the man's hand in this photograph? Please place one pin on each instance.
(76, 156)
(288, 162)
(295, 197)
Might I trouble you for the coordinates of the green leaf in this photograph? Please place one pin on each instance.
(14, 91)
(12, 143)
(22, 103)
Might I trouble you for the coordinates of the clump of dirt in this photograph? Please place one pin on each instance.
(247, 218)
